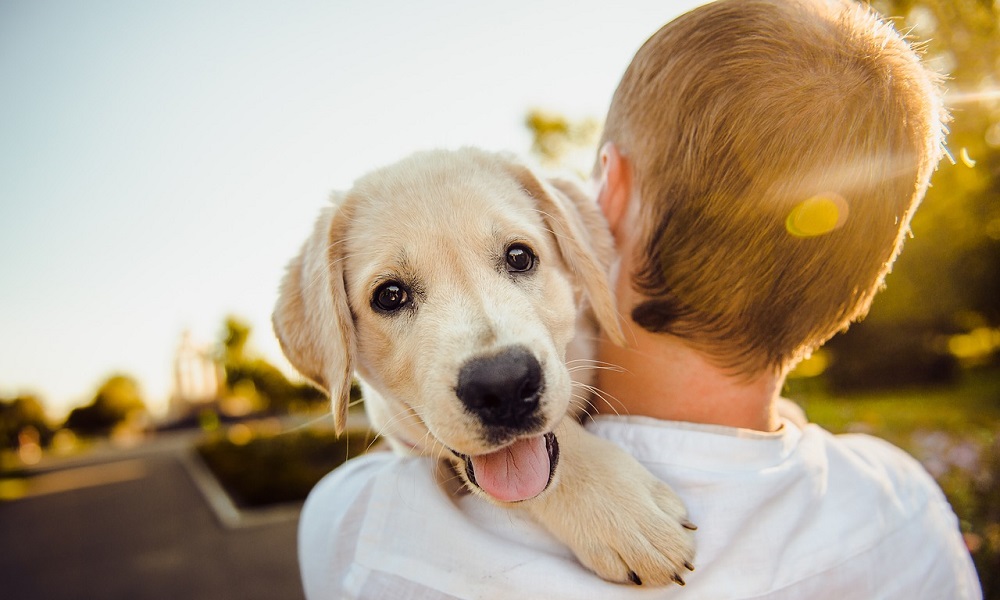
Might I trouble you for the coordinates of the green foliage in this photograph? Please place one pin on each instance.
(236, 332)
(950, 269)
(947, 280)
(251, 375)
(20, 414)
(888, 355)
(279, 394)
(116, 400)
(269, 469)
(558, 141)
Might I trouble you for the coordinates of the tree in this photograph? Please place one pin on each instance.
(947, 280)
(254, 375)
(20, 414)
(950, 270)
(117, 399)
(558, 141)
(236, 332)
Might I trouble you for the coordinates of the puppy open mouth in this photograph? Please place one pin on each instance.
(516, 472)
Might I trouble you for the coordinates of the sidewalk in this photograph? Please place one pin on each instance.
(134, 524)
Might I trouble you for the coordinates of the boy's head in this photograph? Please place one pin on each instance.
(777, 150)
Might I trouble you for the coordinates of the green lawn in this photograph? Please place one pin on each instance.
(970, 408)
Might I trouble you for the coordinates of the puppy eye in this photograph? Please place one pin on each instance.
(390, 297)
(520, 258)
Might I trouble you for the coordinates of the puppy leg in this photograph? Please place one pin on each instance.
(619, 520)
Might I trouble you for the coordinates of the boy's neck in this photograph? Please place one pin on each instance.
(663, 378)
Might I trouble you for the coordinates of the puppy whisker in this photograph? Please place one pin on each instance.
(608, 399)
(386, 429)
(591, 361)
(328, 416)
(595, 368)
(581, 402)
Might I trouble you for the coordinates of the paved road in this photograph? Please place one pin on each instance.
(136, 527)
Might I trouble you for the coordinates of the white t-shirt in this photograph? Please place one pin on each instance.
(797, 514)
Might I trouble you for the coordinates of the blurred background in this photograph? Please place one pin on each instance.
(161, 162)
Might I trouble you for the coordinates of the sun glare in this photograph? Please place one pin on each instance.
(817, 215)
(981, 96)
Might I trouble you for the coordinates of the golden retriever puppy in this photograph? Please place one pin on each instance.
(456, 286)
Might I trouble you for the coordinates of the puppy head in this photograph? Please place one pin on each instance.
(451, 283)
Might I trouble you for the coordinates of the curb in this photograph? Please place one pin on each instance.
(226, 512)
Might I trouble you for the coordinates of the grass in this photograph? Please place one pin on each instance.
(971, 408)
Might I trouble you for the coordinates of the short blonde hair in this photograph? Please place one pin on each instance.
(778, 150)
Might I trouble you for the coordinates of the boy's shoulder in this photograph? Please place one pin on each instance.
(868, 458)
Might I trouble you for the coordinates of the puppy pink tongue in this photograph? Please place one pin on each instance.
(516, 472)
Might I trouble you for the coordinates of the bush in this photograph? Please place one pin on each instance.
(116, 401)
(273, 468)
(882, 356)
(20, 415)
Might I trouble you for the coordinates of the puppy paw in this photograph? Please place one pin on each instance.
(621, 522)
(642, 538)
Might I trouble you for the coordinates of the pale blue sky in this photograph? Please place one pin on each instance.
(161, 161)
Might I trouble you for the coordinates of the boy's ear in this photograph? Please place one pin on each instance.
(312, 319)
(615, 188)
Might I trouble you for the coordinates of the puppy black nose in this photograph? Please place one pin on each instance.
(502, 389)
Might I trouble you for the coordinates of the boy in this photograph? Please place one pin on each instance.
(760, 165)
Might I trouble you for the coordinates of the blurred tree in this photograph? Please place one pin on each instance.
(947, 280)
(20, 413)
(950, 270)
(234, 341)
(118, 399)
(558, 141)
(248, 374)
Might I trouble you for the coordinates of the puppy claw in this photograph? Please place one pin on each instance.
(688, 566)
(634, 578)
(689, 525)
(678, 580)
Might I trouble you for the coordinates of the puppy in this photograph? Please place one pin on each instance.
(457, 286)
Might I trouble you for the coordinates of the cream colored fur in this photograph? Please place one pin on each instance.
(442, 220)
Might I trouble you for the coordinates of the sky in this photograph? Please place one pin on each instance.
(160, 162)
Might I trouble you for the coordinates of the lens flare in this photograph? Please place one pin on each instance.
(817, 216)
(977, 97)
(966, 159)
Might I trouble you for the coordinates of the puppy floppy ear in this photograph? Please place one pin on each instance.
(584, 241)
(312, 319)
